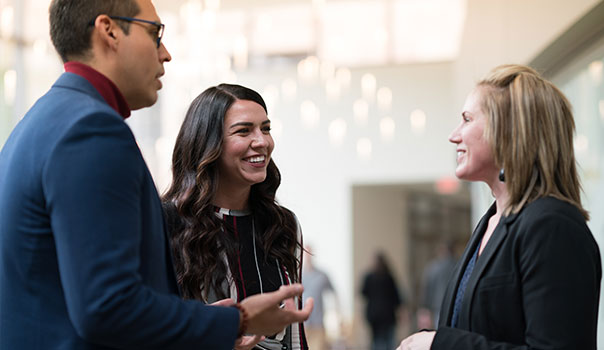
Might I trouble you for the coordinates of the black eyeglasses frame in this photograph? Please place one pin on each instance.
(160, 26)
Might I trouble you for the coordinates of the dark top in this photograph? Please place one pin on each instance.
(249, 267)
(252, 270)
(256, 272)
(463, 284)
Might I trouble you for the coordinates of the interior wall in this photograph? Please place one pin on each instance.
(510, 31)
(316, 175)
(407, 222)
(318, 178)
(496, 32)
(379, 223)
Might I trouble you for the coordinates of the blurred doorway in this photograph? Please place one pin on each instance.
(407, 222)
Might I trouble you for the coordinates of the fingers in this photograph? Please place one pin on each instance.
(223, 302)
(247, 342)
(289, 291)
(278, 298)
(301, 315)
(289, 304)
(265, 314)
(308, 305)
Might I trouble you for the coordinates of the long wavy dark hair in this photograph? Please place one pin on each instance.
(197, 237)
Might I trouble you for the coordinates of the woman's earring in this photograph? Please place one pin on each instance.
(501, 176)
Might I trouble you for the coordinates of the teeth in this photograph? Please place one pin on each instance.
(459, 153)
(258, 159)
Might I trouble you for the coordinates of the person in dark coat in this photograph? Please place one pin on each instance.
(383, 300)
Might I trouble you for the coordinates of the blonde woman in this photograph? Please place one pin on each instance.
(530, 275)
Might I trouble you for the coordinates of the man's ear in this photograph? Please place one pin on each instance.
(106, 31)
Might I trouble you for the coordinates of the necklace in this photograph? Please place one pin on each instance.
(256, 255)
(256, 259)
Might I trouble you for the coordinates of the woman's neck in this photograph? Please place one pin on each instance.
(231, 198)
(500, 192)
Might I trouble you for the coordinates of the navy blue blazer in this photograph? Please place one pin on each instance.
(536, 285)
(84, 258)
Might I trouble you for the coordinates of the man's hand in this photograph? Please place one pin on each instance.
(247, 342)
(266, 317)
(223, 302)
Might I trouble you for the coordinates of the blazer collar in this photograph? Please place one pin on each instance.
(487, 255)
(77, 82)
(105, 87)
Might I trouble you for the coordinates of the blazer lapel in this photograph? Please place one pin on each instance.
(449, 298)
(488, 253)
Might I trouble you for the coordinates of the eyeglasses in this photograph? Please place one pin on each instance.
(160, 26)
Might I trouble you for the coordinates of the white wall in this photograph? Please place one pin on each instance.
(317, 177)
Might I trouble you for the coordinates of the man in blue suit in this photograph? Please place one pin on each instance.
(84, 258)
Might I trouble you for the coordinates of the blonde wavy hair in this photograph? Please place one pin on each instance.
(530, 129)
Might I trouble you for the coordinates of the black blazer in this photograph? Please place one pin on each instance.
(536, 285)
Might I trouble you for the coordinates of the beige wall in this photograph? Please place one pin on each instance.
(379, 223)
(318, 179)
(407, 222)
(510, 31)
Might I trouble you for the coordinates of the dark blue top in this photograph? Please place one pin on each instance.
(462, 287)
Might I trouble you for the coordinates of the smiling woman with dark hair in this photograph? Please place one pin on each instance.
(230, 238)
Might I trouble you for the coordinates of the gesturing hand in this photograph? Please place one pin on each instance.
(247, 342)
(266, 317)
(223, 302)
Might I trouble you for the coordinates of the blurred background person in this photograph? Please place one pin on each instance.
(434, 283)
(530, 274)
(316, 286)
(383, 301)
(230, 237)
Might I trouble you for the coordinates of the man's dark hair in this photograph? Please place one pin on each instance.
(70, 22)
